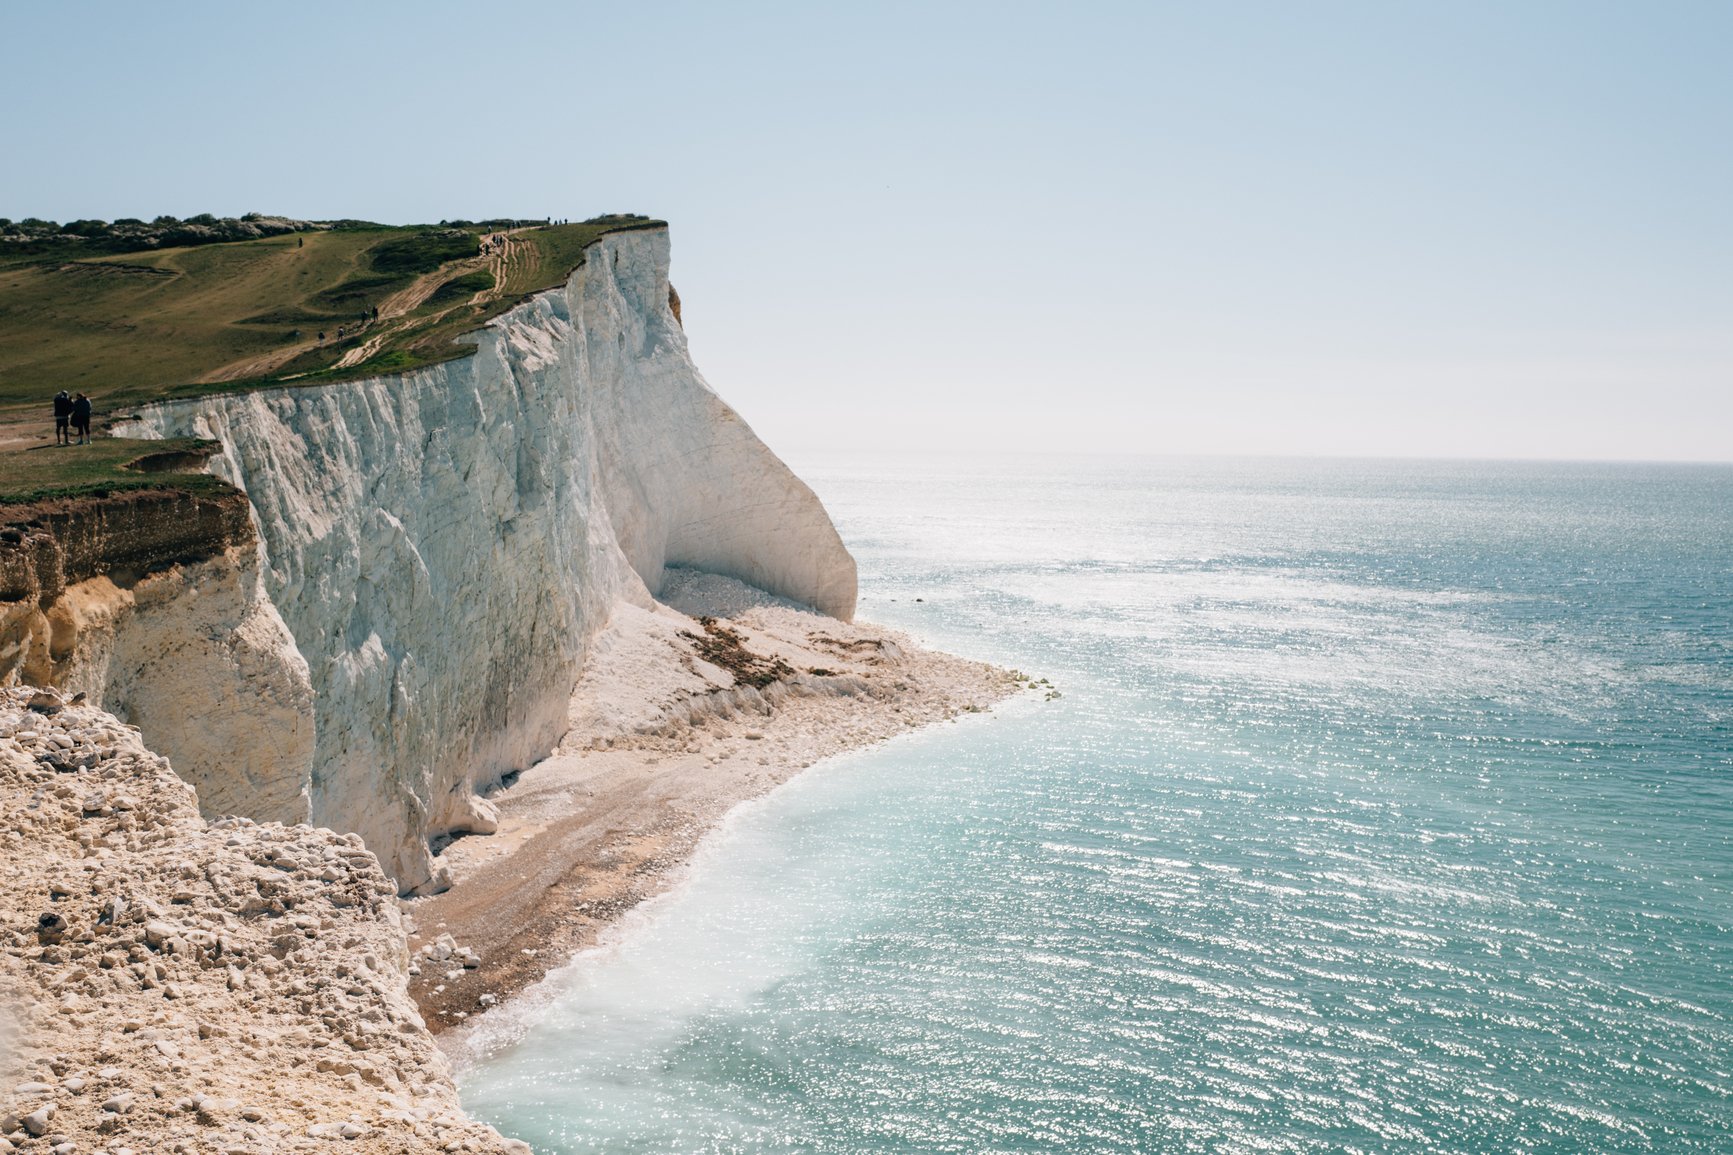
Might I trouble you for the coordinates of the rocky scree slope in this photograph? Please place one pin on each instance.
(173, 984)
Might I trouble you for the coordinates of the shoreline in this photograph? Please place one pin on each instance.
(662, 747)
(171, 982)
(479, 1039)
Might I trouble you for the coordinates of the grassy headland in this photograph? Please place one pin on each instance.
(106, 465)
(126, 323)
(130, 312)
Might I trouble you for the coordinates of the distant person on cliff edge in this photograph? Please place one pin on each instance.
(62, 418)
(81, 418)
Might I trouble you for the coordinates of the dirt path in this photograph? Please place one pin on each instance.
(506, 255)
(260, 366)
(407, 300)
(27, 434)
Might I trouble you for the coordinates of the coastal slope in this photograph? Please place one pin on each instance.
(555, 591)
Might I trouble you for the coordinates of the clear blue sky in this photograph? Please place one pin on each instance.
(1465, 229)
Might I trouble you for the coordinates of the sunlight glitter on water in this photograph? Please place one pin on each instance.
(1400, 821)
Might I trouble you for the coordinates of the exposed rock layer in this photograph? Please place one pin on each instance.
(151, 604)
(50, 545)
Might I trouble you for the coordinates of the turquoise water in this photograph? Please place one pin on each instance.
(1388, 807)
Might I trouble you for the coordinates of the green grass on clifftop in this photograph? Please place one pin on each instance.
(131, 327)
(106, 465)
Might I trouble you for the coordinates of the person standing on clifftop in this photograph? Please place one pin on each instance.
(62, 418)
(81, 418)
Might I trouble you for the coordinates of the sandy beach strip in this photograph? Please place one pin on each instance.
(687, 708)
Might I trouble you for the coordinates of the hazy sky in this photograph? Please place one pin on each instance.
(1465, 229)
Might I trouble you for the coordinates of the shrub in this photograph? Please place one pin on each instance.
(421, 252)
(464, 287)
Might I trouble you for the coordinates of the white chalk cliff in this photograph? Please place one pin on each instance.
(441, 546)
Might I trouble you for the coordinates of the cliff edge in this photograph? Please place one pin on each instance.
(441, 546)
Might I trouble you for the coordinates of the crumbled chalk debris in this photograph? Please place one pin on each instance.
(172, 984)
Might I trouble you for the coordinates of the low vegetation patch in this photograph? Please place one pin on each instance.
(106, 465)
(726, 649)
(464, 287)
(422, 252)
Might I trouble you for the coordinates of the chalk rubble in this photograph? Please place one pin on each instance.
(169, 983)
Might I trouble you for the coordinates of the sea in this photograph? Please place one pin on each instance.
(1368, 806)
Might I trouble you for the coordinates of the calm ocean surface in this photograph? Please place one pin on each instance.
(1388, 807)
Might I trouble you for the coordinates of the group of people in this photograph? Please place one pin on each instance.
(367, 315)
(71, 418)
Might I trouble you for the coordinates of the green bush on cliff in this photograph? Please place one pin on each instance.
(464, 287)
(422, 252)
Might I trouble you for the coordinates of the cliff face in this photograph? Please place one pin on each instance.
(151, 603)
(440, 548)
